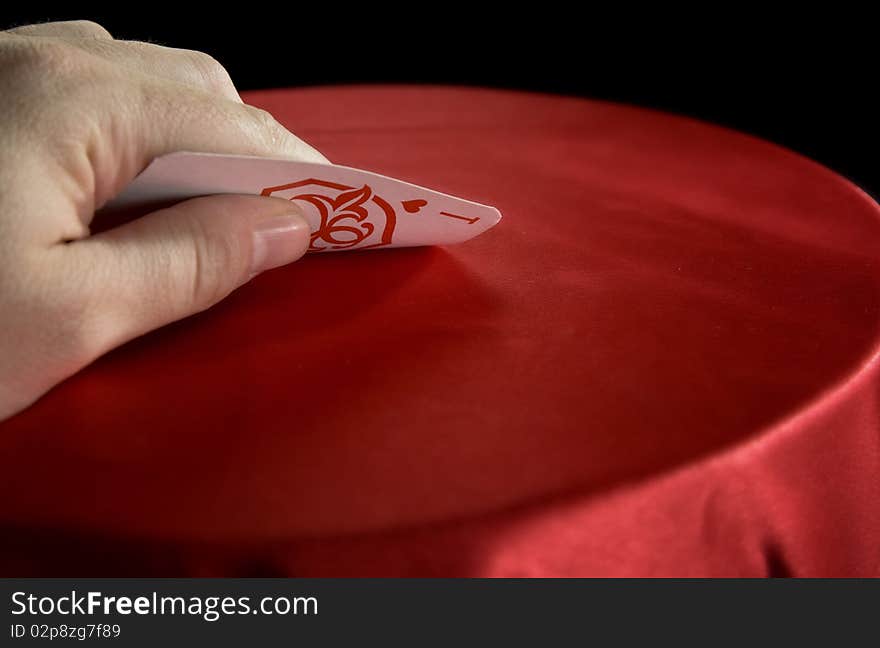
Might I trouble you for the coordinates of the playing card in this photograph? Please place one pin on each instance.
(348, 209)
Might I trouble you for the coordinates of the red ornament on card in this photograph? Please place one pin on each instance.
(348, 216)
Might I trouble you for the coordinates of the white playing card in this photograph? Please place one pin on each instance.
(347, 208)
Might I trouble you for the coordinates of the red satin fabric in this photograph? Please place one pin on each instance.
(661, 362)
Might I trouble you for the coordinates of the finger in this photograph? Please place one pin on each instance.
(178, 261)
(198, 122)
(64, 29)
(189, 67)
(169, 117)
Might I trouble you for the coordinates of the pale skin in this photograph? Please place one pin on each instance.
(81, 114)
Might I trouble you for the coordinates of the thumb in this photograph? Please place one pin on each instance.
(181, 260)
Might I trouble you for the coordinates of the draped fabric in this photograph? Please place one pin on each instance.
(662, 362)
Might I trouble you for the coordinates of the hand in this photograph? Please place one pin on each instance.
(80, 115)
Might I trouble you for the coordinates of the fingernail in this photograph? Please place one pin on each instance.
(278, 241)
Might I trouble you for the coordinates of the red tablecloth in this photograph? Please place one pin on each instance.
(661, 362)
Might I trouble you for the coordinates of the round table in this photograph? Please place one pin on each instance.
(661, 362)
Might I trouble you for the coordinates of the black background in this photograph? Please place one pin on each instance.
(807, 83)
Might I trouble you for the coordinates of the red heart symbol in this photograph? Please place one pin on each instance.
(412, 206)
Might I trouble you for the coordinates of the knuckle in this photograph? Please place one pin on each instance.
(268, 130)
(63, 29)
(217, 257)
(209, 70)
(88, 29)
(263, 120)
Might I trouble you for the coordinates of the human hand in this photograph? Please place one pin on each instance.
(81, 114)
